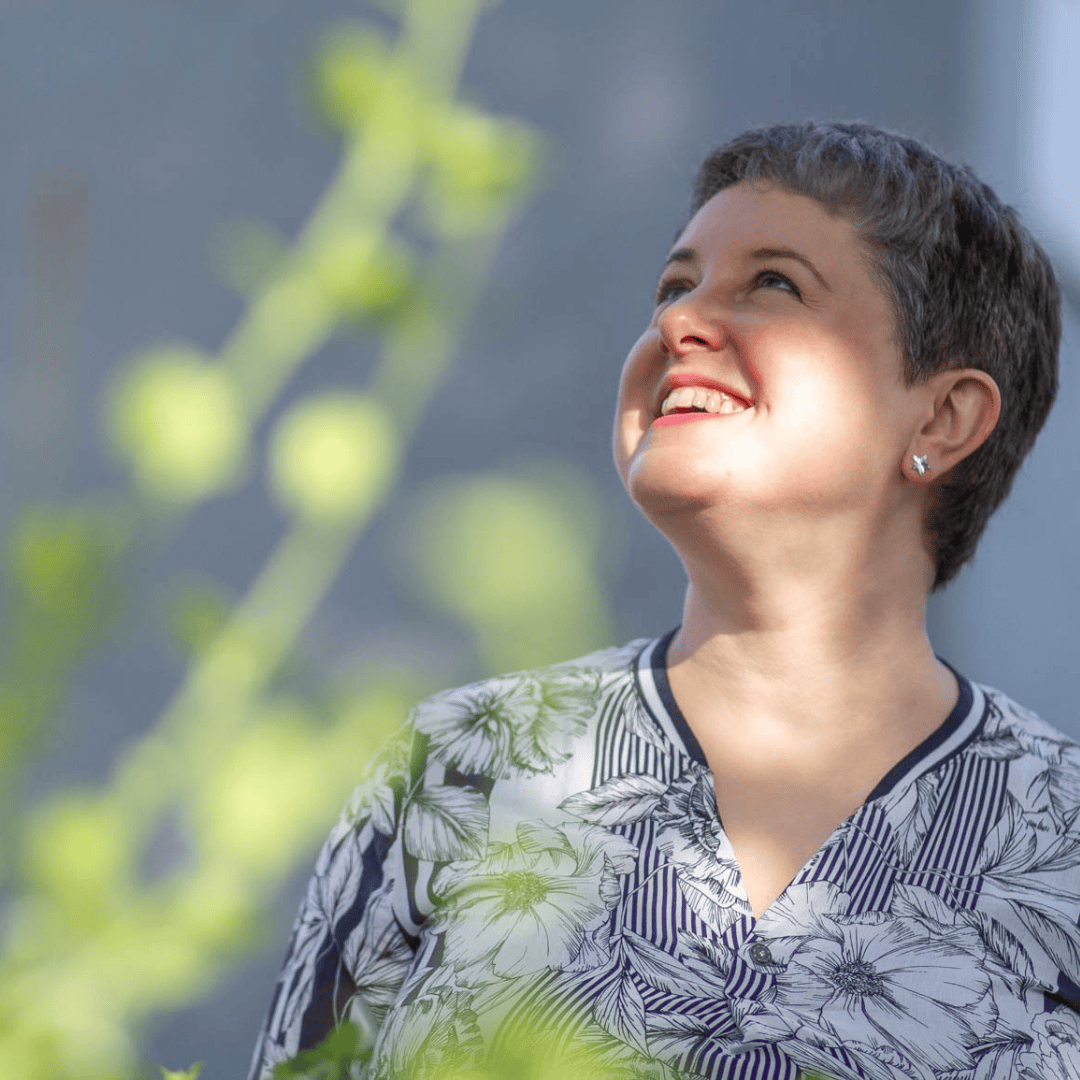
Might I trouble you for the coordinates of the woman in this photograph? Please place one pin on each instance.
(784, 836)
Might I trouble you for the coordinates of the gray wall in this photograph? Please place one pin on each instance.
(173, 118)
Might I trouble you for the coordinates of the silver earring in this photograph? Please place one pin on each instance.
(919, 461)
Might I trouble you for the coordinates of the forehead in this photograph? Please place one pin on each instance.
(743, 226)
(762, 214)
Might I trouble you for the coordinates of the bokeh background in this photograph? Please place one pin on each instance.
(312, 319)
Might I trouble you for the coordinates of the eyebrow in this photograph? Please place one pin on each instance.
(688, 254)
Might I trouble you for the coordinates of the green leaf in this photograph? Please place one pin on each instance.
(330, 1060)
(333, 456)
(186, 1074)
(178, 420)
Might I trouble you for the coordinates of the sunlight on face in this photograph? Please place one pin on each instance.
(767, 300)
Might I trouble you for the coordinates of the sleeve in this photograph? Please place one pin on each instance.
(355, 935)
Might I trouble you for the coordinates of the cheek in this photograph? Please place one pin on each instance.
(636, 386)
(638, 364)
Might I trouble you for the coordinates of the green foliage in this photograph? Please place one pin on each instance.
(334, 457)
(534, 1055)
(330, 1060)
(61, 572)
(177, 420)
(136, 896)
(186, 1074)
(515, 558)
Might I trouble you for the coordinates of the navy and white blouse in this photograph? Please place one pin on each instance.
(542, 852)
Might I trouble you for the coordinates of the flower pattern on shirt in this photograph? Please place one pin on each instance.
(530, 903)
(541, 853)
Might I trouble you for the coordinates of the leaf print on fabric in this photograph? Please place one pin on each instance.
(472, 728)
(1055, 1049)
(999, 1055)
(444, 823)
(690, 835)
(627, 703)
(1006, 953)
(342, 878)
(889, 977)
(699, 970)
(622, 800)
(377, 956)
(913, 815)
(1022, 845)
(1002, 746)
(1011, 845)
(678, 1037)
(1053, 934)
(567, 700)
(1008, 720)
(916, 902)
(527, 906)
(374, 797)
(536, 1052)
(503, 727)
(855, 1060)
(620, 1010)
(579, 844)
(438, 1036)
(312, 937)
(1060, 787)
(1030, 881)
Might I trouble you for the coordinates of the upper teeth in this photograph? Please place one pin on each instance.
(714, 401)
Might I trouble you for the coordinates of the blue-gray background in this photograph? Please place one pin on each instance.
(150, 124)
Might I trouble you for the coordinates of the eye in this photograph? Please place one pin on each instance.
(670, 288)
(774, 277)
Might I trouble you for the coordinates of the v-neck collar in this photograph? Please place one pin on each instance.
(958, 729)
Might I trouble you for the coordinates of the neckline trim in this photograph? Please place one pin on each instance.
(957, 730)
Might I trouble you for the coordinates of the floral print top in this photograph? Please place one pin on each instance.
(542, 852)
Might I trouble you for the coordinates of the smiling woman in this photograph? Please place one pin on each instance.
(784, 836)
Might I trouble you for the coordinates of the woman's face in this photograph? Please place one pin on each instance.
(768, 296)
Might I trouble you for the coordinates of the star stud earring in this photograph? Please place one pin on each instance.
(918, 461)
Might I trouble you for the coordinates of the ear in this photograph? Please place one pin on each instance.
(966, 404)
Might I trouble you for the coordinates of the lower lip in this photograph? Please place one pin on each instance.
(687, 418)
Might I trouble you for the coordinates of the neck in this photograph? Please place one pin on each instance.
(836, 655)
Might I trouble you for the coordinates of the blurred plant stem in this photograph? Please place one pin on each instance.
(134, 898)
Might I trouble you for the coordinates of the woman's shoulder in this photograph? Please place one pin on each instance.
(1011, 732)
(525, 721)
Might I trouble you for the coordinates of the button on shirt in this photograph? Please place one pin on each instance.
(542, 851)
(760, 954)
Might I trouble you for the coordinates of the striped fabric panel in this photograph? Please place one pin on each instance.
(714, 1016)
(620, 752)
(651, 904)
(972, 800)
(746, 981)
(651, 696)
(739, 932)
(827, 866)
(761, 1063)
(868, 876)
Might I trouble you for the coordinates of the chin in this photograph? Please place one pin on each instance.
(660, 491)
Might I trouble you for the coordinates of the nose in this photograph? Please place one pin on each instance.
(686, 326)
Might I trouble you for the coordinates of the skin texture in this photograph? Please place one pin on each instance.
(802, 664)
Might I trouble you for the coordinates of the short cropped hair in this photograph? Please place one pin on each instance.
(968, 284)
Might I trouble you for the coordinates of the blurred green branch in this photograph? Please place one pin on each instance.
(247, 776)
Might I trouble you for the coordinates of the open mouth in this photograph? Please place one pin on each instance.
(692, 402)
